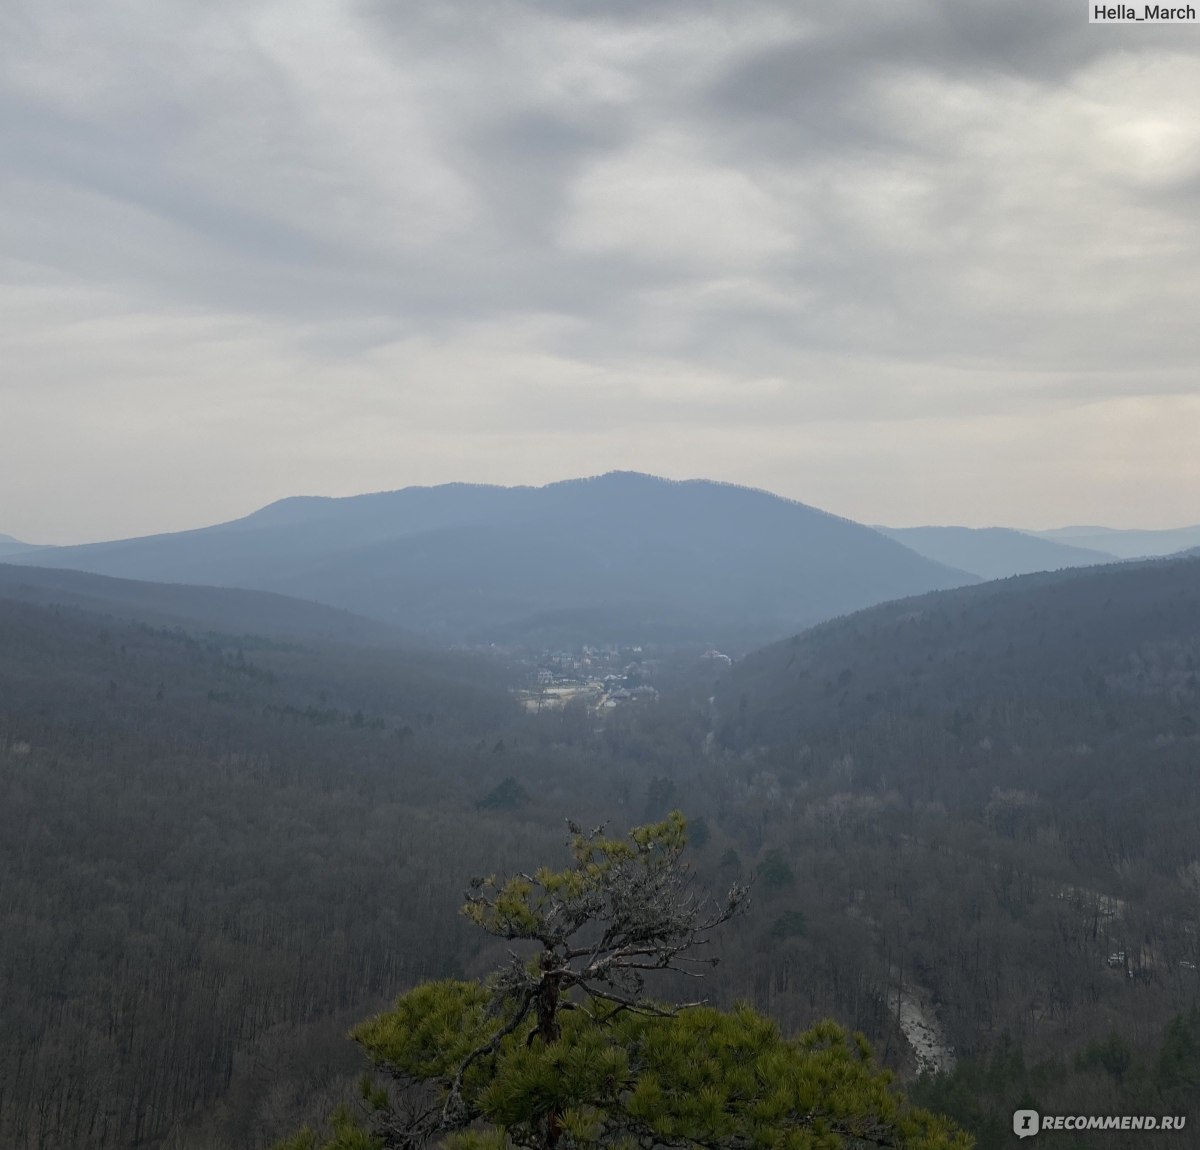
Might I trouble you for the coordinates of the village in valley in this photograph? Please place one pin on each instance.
(600, 677)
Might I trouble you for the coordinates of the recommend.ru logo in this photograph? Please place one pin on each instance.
(1027, 1123)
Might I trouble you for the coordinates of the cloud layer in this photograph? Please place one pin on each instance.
(929, 261)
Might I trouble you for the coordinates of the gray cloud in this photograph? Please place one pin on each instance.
(915, 261)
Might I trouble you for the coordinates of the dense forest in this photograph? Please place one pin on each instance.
(971, 816)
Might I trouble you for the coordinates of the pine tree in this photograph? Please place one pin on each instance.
(564, 1050)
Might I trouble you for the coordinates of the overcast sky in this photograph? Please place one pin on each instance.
(911, 262)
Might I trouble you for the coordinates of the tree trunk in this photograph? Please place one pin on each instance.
(548, 1031)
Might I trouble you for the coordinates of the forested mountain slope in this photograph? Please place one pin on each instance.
(1079, 687)
(1104, 656)
(209, 847)
(994, 552)
(699, 561)
(232, 611)
(1022, 759)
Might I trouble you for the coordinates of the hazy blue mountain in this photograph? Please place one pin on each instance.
(994, 552)
(226, 609)
(702, 559)
(11, 546)
(1126, 544)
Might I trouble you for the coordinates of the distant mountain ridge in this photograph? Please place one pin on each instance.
(691, 558)
(1126, 544)
(11, 546)
(995, 552)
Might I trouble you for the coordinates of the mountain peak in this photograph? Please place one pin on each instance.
(716, 563)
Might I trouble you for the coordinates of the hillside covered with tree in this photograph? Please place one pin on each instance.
(968, 821)
(1024, 755)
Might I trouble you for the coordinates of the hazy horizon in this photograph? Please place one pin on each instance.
(183, 527)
